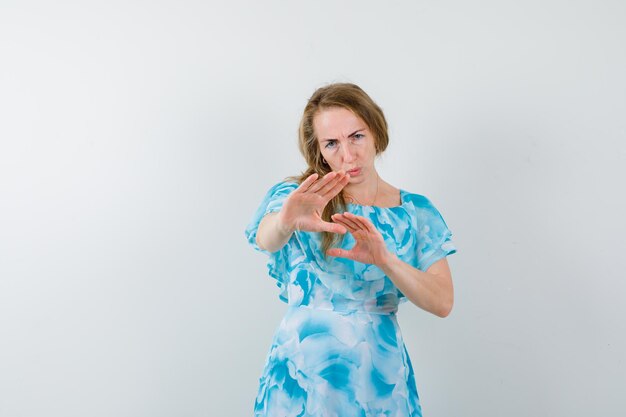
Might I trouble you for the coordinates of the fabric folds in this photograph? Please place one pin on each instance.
(338, 350)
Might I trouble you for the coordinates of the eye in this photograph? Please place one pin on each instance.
(330, 142)
(359, 136)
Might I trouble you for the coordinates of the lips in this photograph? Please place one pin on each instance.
(354, 171)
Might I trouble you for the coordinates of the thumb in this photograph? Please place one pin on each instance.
(335, 252)
(339, 253)
(334, 228)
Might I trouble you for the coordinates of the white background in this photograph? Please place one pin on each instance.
(138, 138)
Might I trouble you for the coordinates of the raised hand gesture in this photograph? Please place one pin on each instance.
(370, 245)
(302, 210)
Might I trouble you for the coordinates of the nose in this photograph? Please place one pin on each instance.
(348, 154)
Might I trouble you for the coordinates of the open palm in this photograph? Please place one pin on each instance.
(370, 245)
(302, 210)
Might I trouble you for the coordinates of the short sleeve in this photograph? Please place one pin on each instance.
(272, 202)
(277, 262)
(434, 238)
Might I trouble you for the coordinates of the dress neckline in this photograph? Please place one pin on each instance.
(402, 203)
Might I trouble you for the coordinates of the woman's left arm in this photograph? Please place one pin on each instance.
(431, 290)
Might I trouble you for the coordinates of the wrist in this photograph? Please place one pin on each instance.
(284, 226)
(388, 261)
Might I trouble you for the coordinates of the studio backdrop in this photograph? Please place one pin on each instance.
(138, 138)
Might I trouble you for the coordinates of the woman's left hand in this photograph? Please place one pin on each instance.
(370, 245)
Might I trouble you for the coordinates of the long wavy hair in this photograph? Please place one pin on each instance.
(350, 97)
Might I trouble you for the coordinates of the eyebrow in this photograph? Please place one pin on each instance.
(350, 135)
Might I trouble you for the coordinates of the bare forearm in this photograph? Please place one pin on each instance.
(273, 234)
(427, 291)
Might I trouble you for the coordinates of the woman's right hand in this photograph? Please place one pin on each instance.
(302, 210)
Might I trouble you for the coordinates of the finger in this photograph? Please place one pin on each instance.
(364, 223)
(331, 184)
(345, 220)
(346, 226)
(337, 187)
(339, 253)
(353, 230)
(306, 183)
(335, 228)
(321, 182)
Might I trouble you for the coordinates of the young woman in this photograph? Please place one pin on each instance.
(346, 248)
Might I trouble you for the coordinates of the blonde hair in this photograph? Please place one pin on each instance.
(350, 97)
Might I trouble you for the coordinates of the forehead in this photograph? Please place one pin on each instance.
(336, 121)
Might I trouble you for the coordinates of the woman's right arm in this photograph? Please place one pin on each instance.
(301, 210)
(273, 233)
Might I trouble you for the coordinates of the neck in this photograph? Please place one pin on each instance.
(365, 193)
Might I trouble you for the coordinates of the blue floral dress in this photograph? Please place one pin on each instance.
(338, 351)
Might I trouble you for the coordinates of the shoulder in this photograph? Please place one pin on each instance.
(282, 187)
(276, 195)
(422, 207)
(418, 200)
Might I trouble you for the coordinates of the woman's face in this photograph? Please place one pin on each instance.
(346, 142)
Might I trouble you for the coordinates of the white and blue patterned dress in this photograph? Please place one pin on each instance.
(338, 351)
